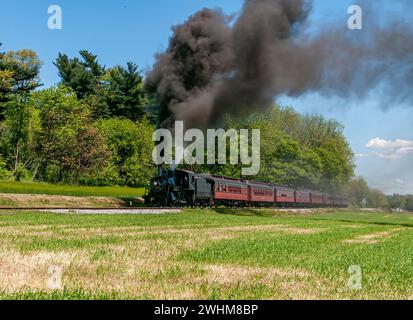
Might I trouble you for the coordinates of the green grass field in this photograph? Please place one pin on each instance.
(206, 254)
(69, 190)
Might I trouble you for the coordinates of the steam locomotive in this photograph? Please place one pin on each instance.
(182, 188)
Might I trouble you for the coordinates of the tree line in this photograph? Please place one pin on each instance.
(95, 128)
(362, 196)
(401, 202)
(301, 151)
(92, 128)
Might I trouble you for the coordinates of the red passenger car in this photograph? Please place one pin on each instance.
(302, 197)
(317, 198)
(329, 200)
(284, 195)
(230, 190)
(261, 192)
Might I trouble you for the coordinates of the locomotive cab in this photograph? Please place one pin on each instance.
(196, 188)
(185, 180)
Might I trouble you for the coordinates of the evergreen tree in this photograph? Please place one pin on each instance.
(84, 77)
(124, 92)
(114, 92)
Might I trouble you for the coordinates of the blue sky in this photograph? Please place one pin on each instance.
(134, 30)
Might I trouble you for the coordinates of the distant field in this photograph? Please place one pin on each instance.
(207, 255)
(65, 190)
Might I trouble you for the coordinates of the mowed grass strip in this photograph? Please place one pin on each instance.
(206, 254)
(69, 190)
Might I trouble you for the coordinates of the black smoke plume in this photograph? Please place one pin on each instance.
(217, 64)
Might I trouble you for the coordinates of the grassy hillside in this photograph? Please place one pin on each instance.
(69, 190)
(207, 254)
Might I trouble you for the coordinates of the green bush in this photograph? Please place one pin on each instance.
(109, 176)
(21, 173)
(52, 173)
(4, 173)
(136, 173)
(131, 146)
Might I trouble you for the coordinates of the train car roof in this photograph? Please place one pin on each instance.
(257, 183)
(226, 178)
(186, 171)
(223, 179)
(284, 187)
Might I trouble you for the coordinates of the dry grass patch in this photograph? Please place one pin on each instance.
(52, 201)
(42, 231)
(227, 274)
(20, 272)
(281, 283)
(374, 238)
(139, 268)
(272, 228)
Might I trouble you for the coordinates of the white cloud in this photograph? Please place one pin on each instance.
(392, 150)
(381, 143)
(361, 155)
(406, 150)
